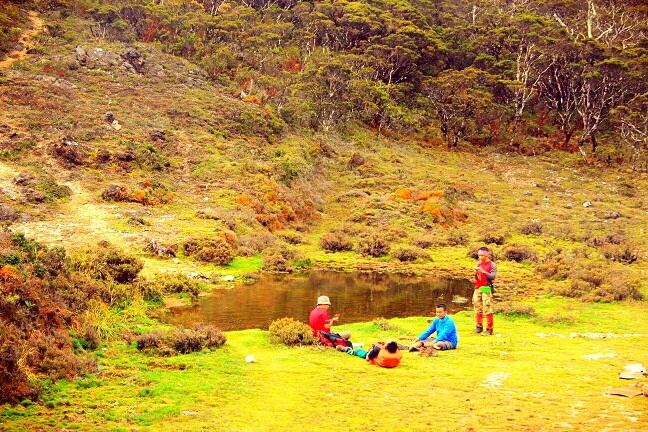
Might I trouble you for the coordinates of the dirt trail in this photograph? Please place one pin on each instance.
(26, 40)
(78, 220)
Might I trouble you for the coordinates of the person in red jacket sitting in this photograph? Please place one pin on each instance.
(321, 324)
(485, 272)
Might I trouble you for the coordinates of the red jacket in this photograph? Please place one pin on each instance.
(480, 278)
(319, 321)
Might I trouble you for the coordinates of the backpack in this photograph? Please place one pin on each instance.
(333, 339)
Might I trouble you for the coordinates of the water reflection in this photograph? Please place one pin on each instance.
(355, 296)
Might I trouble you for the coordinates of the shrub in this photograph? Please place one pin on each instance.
(602, 240)
(279, 259)
(335, 241)
(383, 324)
(531, 228)
(408, 254)
(182, 340)
(290, 332)
(457, 238)
(374, 246)
(427, 241)
(108, 263)
(252, 244)
(42, 304)
(211, 336)
(152, 340)
(185, 340)
(625, 252)
(216, 250)
(519, 253)
(52, 190)
(556, 265)
(619, 288)
(291, 237)
(170, 283)
(514, 309)
(493, 237)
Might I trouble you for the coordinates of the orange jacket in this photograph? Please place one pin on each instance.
(387, 359)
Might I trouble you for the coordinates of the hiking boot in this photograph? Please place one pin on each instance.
(343, 348)
(488, 332)
(478, 329)
(430, 352)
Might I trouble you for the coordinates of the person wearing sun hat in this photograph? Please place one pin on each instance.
(320, 323)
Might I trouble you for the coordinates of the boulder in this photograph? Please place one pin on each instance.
(133, 60)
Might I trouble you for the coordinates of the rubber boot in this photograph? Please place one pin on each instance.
(479, 327)
(489, 324)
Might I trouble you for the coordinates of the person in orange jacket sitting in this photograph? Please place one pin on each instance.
(386, 355)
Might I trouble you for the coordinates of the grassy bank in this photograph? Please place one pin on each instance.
(536, 382)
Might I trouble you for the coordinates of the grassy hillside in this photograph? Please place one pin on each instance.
(117, 139)
(195, 161)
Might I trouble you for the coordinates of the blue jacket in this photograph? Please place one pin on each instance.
(445, 329)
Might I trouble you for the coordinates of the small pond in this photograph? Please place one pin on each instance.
(355, 296)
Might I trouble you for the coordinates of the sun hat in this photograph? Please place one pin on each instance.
(323, 300)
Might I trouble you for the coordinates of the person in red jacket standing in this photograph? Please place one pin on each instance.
(485, 272)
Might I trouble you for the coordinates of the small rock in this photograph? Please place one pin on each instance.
(587, 204)
(81, 54)
(110, 117)
(568, 205)
(229, 278)
(115, 125)
(23, 179)
(528, 193)
(611, 215)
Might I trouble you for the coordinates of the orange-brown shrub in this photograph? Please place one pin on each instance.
(336, 241)
(40, 299)
(215, 250)
(373, 245)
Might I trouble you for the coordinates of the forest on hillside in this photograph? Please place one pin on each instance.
(531, 76)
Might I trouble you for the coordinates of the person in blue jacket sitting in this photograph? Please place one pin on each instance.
(446, 332)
